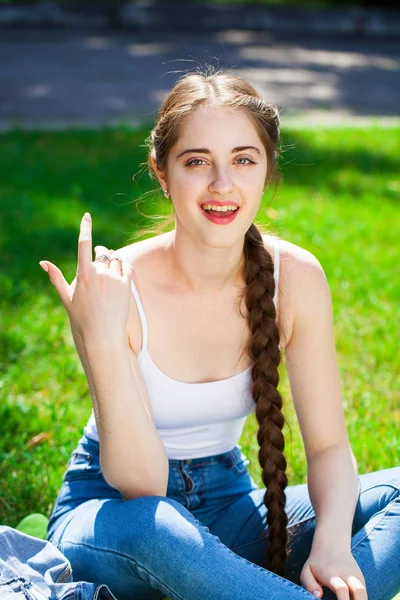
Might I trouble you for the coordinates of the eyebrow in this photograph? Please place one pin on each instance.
(207, 151)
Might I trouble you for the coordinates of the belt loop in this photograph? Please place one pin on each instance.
(233, 457)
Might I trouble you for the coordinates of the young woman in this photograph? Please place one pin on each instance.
(180, 336)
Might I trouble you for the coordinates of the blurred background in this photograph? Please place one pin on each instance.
(80, 86)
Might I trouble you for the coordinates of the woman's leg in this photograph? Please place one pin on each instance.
(153, 546)
(375, 542)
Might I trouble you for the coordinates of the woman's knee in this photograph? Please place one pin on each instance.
(121, 543)
(133, 527)
(151, 525)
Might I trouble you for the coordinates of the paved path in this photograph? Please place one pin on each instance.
(58, 78)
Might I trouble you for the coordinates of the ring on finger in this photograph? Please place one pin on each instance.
(102, 258)
(117, 258)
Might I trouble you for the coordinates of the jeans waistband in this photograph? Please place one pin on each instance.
(94, 447)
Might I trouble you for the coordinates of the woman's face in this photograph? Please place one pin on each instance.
(207, 164)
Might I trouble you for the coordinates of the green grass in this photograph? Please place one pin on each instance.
(339, 199)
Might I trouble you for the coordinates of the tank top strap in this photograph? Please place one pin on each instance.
(141, 309)
(276, 269)
(141, 314)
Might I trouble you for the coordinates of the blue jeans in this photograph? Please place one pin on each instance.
(207, 538)
(33, 569)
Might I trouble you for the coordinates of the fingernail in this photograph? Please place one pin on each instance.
(317, 593)
(87, 216)
(44, 266)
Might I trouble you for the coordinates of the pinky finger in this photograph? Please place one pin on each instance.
(59, 282)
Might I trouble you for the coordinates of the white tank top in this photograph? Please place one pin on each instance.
(194, 419)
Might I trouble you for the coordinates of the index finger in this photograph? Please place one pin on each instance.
(85, 243)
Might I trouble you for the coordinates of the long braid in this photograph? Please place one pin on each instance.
(264, 351)
(192, 91)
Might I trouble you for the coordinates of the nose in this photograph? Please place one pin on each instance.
(221, 183)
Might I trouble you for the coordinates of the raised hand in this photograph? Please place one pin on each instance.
(98, 302)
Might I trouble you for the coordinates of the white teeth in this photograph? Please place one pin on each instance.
(218, 208)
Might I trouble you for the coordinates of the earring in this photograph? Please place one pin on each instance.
(166, 193)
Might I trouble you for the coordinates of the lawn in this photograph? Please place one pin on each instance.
(339, 199)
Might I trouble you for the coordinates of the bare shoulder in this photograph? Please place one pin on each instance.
(301, 279)
(295, 256)
(304, 271)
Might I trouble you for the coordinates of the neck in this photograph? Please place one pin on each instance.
(200, 267)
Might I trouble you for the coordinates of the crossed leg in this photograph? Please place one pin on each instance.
(150, 547)
(375, 542)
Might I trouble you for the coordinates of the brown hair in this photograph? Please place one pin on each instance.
(217, 88)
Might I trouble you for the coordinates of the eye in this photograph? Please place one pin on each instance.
(190, 163)
(246, 158)
(194, 160)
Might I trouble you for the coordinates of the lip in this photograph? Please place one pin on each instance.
(220, 220)
(219, 203)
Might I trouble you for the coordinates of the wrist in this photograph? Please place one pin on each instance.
(104, 345)
(326, 538)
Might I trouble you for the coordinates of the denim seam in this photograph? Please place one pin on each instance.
(386, 484)
(234, 465)
(276, 576)
(12, 580)
(302, 521)
(106, 590)
(89, 476)
(182, 492)
(203, 483)
(233, 458)
(376, 524)
(262, 537)
(29, 594)
(207, 463)
(128, 558)
(71, 592)
(212, 462)
(97, 591)
(64, 575)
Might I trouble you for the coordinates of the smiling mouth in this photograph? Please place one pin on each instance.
(219, 217)
(220, 213)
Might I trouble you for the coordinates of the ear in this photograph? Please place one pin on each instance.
(160, 174)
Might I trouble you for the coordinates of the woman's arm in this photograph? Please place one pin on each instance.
(315, 384)
(132, 455)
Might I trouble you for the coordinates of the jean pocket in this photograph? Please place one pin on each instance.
(82, 465)
(238, 462)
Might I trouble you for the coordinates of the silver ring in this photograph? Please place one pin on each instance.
(101, 258)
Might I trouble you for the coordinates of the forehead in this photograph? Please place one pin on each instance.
(211, 126)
